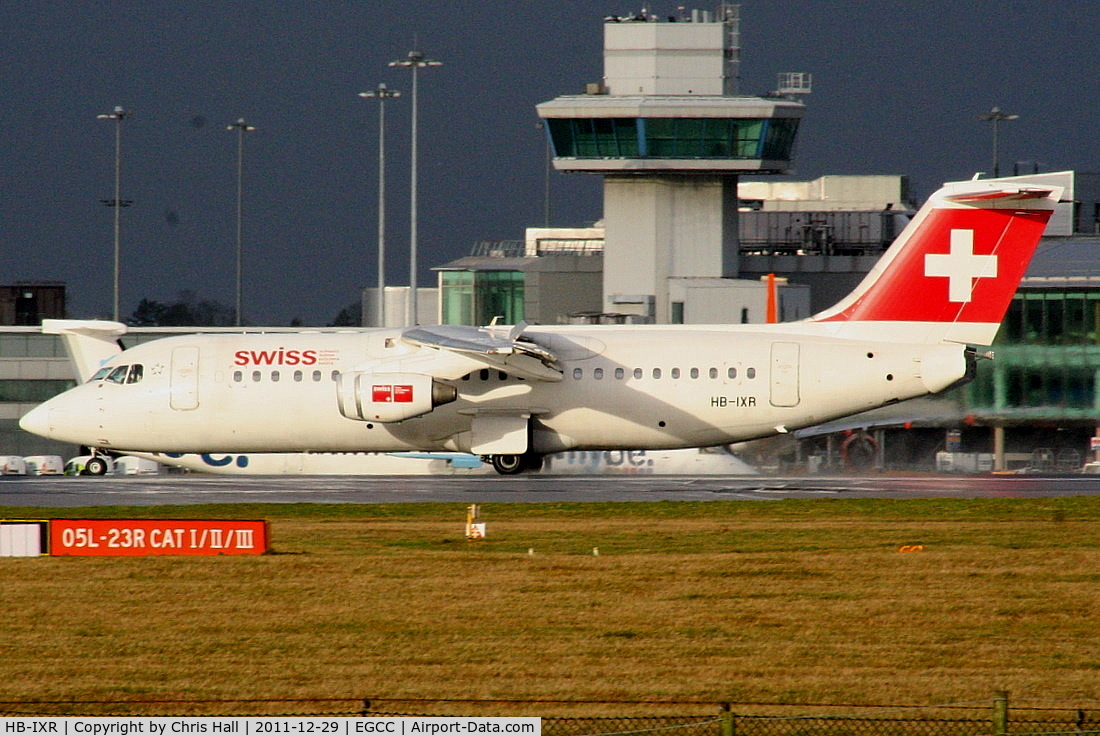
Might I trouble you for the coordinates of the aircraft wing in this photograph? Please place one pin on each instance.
(505, 350)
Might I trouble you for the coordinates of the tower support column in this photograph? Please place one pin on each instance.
(658, 228)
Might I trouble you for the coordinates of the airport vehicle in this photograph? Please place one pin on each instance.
(90, 465)
(693, 461)
(12, 465)
(44, 465)
(326, 463)
(518, 393)
(134, 465)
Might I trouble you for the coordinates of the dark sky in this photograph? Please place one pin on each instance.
(898, 86)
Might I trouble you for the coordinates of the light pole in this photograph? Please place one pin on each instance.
(995, 116)
(241, 127)
(414, 61)
(118, 115)
(382, 93)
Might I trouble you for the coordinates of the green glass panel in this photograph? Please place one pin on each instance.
(779, 139)
(457, 297)
(716, 138)
(660, 137)
(561, 137)
(626, 136)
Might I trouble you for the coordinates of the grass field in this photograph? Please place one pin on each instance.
(788, 601)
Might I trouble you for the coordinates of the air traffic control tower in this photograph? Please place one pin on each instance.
(670, 134)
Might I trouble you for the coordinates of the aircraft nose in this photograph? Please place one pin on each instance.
(37, 421)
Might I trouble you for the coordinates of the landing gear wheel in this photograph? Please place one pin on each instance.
(516, 464)
(95, 466)
(508, 464)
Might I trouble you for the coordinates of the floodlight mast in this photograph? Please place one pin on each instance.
(381, 93)
(241, 127)
(995, 116)
(414, 61)
(118, 115)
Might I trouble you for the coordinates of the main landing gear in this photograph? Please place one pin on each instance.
(515, 464)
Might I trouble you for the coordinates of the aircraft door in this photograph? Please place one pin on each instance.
(784, 374)
(184, 393)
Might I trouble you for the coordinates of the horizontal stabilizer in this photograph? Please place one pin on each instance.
(90, 343)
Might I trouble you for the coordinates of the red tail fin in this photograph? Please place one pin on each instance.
(952, 272)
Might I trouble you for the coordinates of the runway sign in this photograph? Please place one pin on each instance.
(141, 537)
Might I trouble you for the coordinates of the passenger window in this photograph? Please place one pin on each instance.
(317, 376)
(137, 370)
(297, 376)
(732, 372)
(675, 372)
(577, 373)
(619, 373)
(714, 373)
(750, 373)
(638, 373)
(656, 372)
(598, 374)
(256, 376)
(274, 376)
(118, 375)
(483, 374)
(238, 376)
(336, 375)
(694, 372)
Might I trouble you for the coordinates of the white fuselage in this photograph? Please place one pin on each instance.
(621, 388)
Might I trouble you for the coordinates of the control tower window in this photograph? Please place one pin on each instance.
(779, 141)
(674, 138)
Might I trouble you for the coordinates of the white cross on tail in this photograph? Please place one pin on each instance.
(960, 267)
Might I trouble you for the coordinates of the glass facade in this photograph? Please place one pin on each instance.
(674, 138)
(1047, 358)
(476, 297)
(1070, 317)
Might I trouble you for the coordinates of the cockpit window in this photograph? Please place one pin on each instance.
(118, 375)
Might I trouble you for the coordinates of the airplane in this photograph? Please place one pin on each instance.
(88, 356)
(518, 393)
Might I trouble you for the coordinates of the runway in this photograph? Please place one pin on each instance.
(164, 490)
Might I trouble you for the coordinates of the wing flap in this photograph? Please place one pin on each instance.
(508, 351)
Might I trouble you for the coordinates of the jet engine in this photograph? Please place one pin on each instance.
(390, 397)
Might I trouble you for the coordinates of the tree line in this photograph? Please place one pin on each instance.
(190, 311)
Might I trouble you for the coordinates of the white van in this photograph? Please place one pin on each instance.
(44, 465)
(12, 465)
(130, 465)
